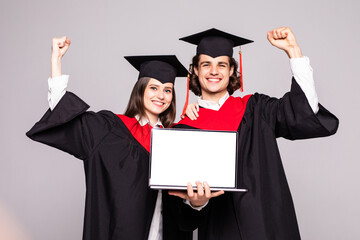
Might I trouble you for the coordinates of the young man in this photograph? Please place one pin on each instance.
(266, 211)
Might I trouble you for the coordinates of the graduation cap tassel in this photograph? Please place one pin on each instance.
(187, 96)
(240, 70)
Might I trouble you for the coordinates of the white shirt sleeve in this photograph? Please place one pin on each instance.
(303, 75)
(57, 89)
(196, 208)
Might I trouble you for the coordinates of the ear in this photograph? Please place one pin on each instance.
(231, 70)
(196, 71)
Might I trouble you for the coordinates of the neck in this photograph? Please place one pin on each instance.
(152, 118)
(212, 96)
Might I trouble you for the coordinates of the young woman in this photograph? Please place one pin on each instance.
(115, 149)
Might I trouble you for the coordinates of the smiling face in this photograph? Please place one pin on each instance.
(157, 98)
(214, 75)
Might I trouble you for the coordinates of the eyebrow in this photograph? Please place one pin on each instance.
(156, 85)
(204, 62)
(222, 62)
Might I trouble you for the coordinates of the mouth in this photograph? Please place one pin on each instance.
(158, 103)
(214, 80)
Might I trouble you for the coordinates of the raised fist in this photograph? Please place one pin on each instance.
(284, 39)
(60, 46)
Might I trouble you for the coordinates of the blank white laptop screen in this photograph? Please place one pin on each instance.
(179, 156)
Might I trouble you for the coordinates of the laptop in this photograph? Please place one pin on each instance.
(179, 156)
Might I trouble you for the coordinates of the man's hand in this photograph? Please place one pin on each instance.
(58, 48)
(199, 198)
(284, 39)
(192, 111)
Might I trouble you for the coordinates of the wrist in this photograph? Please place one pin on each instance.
(196, 205)
(55, 59)
(294, 52)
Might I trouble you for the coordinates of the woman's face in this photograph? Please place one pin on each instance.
(157, 98)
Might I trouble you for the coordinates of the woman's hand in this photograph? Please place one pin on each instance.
(58, 50)
(59, 47)
(199, 198)
(192, 111)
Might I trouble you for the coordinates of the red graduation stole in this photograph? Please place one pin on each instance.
(141, 133)
(227, 118)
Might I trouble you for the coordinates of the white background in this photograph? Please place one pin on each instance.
(42, 189)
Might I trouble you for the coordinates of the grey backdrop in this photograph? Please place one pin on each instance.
(42, 189)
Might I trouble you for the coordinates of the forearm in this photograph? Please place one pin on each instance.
(57, 89)
(191, 218)
(294, 118)
(55, 66)
(187, 202)
(57, 82)
(70, 128)
(59, 48)
(303, 75)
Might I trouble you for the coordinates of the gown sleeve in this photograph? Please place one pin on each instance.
(291, 116)
(70, 128)
(181, 215)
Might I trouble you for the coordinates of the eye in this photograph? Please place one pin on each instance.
(153, 88)
(168, 90)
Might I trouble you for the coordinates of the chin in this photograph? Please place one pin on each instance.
(215, 90)
(158, 112)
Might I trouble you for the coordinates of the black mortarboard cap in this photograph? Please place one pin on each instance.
(214, 42)
(164, 68)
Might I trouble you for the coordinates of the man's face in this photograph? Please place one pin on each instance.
(214, 75)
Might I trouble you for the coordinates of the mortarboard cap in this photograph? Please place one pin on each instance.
(164, 68)
(214, 42)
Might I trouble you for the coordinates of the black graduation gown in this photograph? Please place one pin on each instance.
(119, 204)
(266, 211)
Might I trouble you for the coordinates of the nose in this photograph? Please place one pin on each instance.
(160, 94)
(213, 70)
